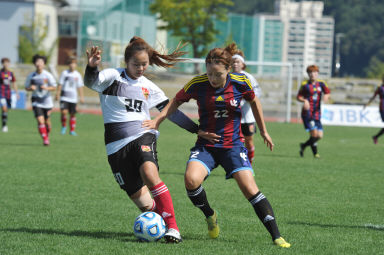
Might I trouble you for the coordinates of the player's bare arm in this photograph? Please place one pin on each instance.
(170, 108)
(305, 101)
(259, 117)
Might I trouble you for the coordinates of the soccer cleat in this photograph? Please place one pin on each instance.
(73, 133)
(172, 236)
(374, 138)
(46, 142)
(63, 130)
(213, 227)
(5, 129)
(301, 150)
(317, 155)
(281, 243)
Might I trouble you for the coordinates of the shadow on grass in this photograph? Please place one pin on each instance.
(122, 236)
(366, 226)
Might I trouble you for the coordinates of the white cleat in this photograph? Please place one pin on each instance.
(5, 129)
(172, 236)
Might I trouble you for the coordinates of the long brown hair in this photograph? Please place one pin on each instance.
(155, 58)
(220, 55)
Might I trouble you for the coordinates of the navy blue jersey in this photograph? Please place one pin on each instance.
(219, 108)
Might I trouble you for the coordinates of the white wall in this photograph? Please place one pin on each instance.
(12, 16)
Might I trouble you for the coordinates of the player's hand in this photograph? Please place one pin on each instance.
(43, 87)
(33, 87)
(267, 140)
(94, 56)
(306, 105)
(150, 124)
(82, 100)
(211, 137)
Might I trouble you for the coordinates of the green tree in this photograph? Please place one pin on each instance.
(192, 20)
(31, 39)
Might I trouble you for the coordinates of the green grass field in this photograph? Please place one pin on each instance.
(63, 199)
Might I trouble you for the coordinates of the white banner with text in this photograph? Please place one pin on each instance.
(351, 115)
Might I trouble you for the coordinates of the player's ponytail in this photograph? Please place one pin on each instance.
(220, 55)
(155, 58)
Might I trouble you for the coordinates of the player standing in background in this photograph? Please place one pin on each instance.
(218, 94)
(380, 92)
(247, 120)
(126, 97)
(310, 93)
(41, 83)
(70, 85)
(7, 79)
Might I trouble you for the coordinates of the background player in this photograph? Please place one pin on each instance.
(70, 85)
(247, 120)
(41, 83)
(380, 92)
(7, 80)
(218, 94)
(310, 93)
(126, 97)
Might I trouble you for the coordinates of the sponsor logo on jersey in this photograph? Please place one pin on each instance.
(219, 99)
(233, 102)
(145, 92)
(165, 214)
(145, 148)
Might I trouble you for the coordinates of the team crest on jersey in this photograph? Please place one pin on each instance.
(145, 148)
(145, 92)
(219, 99)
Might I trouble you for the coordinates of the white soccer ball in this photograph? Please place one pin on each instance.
(149, 227)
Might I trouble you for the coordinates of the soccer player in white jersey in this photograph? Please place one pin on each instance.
(126, 97)
(70, 86)
(41, 83)
(248, 127)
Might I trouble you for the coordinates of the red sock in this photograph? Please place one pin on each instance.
(251, 154)
(164, 205)
(43, 131)
(72, 123)
(63, 120)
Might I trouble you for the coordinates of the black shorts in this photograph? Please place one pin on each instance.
(71, 107)
(41, 112)
(248, 129)
(126, 162)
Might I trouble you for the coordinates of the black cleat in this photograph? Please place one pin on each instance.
(302, 150)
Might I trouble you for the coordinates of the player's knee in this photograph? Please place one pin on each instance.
(191, 181)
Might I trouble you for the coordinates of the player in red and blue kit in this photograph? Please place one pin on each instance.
(310, 93)
(380, 92)
(7, 79)
(218, 94)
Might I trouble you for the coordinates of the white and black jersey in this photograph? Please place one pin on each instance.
(70, 82)
(41, 98)
(246, 110)
(125, 104)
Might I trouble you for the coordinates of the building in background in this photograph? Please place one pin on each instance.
(308, 35)
(14, 14)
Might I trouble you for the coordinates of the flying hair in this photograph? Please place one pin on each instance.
(155, 58)
(222, 56)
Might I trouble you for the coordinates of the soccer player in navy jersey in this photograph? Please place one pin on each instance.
(7, 80)
(218, 94)
(126, 96)
(311, 93)
(378, 92)
(41, 83)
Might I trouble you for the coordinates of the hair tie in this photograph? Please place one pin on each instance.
(237, 56)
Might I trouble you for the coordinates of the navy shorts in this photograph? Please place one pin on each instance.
(5, 102)
(231, 159)
(311, 124)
